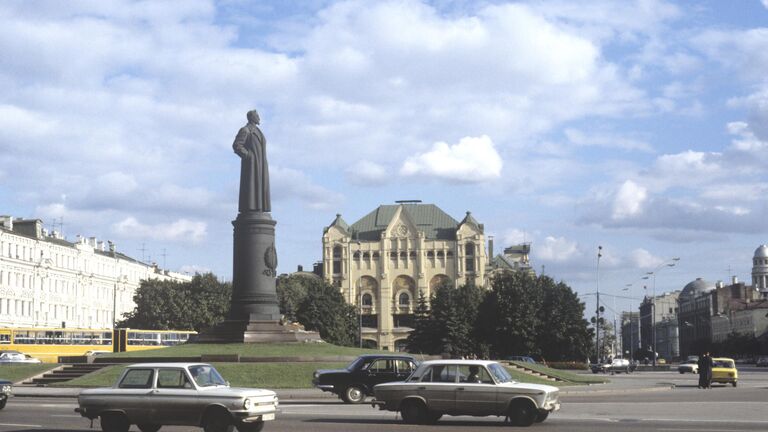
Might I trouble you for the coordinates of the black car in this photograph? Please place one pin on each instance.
(7, 387)
(353, 383)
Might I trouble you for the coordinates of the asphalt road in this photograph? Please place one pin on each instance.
(684, 408)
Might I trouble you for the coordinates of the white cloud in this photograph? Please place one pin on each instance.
(558, 249)
(367, 173)
(606, 140)
(182, 230)
(629, 200)
(472, 160)
(643, 259)
(288, 184)
(192, 269)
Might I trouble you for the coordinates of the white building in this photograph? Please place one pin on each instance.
(760, 271)
(46, 281)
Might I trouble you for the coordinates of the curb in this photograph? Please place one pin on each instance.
(616, 391)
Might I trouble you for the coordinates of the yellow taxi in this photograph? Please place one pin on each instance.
(724, 371)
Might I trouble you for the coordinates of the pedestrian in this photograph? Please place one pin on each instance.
(705, 370)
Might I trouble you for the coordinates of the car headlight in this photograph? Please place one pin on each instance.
(316, 375)
(247, 404)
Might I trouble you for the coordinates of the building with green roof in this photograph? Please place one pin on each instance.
(383, 261)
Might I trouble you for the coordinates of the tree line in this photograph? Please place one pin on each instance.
(520, 314)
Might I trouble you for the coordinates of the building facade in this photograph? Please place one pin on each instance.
(383, 262)
(655, 317)
(630, 333)
(47, 281)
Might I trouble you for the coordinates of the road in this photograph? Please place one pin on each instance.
(684, 408)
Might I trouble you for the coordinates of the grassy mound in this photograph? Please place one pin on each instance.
(249, 350)
(566, 376)
(19, 372)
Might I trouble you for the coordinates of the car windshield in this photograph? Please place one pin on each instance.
(500, 373)
(206, 376)
(723, 364)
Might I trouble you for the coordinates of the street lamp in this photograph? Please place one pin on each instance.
(360, 292)
(597, 308)
(631, 343)
(653, 300)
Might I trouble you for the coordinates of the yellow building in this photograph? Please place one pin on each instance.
(383, 261)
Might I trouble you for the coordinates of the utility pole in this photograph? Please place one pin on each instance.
(597, 308)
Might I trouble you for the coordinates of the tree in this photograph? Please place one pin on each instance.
(423, 337)
(291, 290)
(170, 305)
(563, 333)
(510, 314)
(324, 310)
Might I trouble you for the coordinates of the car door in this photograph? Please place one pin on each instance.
(174, 397)
(475, 392)
(438, 388)
(381, 371)
(135, 387)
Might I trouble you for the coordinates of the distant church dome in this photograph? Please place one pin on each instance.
(761, 252)
(697, 287)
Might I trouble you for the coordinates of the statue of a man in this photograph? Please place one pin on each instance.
(251, 146)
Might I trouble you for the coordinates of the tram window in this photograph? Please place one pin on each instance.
(5, 338)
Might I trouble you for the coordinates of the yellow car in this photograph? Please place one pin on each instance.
(724, 371)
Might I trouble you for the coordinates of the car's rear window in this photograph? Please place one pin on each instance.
(137, 378)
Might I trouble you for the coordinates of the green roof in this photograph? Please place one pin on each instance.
(435, 223)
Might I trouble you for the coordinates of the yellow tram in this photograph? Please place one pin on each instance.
(48, 344)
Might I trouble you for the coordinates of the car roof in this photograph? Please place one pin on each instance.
(408, 356)
(165, 365)
(722, 358)
(459, 362)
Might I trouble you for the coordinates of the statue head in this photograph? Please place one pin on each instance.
(253, 116)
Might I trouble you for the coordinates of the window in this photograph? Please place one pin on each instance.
(206, 376)
(469, 260)
(382, 365)
(404, 300)
(173, 378)
(473, 374)
(404, 366)
(356, 256)
(440, 373)
(137, 378)
(367, 300)
(337, 260)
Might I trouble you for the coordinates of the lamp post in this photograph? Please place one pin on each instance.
(653, 300)
(360, 294)
(597, 308)
(631, 344)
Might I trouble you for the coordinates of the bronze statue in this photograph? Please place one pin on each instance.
(251, 146)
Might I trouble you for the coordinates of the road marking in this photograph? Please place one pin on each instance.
(66, 415)
(20, 425)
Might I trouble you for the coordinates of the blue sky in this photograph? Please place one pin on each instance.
(639, 126)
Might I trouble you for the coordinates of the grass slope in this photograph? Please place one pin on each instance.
(250, 350)
(20, 372)
(566, 376)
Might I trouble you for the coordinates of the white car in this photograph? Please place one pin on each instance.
(151, 395)
(9, 356)
(688, 366)
(466, 387)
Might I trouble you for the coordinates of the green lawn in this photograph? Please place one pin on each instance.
(20, 372)
(250, 350)
(566, 376)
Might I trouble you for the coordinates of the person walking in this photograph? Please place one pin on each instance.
(705, 371)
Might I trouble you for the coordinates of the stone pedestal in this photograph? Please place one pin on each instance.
(254, 314)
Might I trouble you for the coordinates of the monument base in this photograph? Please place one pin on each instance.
(255, 331)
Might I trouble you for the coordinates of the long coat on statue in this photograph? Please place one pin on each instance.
(251, 146)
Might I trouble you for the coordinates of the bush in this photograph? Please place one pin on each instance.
(572, 365)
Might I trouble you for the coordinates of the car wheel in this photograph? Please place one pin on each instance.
(353, 394)
(149, 427)
(251, 427)
(681, 372)
(541, 416)
(218, 421)
(3, 402)
(414, 412)
(522, 413)
(114, 422)
(733, 383)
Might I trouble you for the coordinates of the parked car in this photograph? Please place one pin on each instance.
(353, 383)
(615, 366)
(724, 371)
(5, 393)
(466, 387)
(688, 366)
(762, 361)
(10, 356)
(151, 395)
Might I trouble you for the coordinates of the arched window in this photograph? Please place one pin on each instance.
(404, 300)
(337, 251)
(403, 255)
(412, 255)
(366, 256)
(367, 300)
(375, 255)
(430, 254)
(356, 256)
(440, 254)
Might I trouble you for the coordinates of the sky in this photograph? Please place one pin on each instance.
(639, 126)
